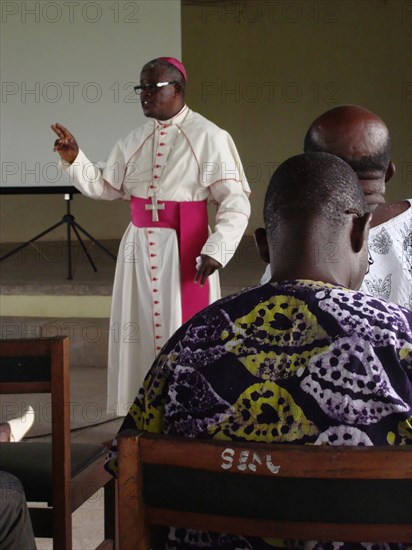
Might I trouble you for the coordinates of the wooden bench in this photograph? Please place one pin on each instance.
(62, 474)
(305, 492)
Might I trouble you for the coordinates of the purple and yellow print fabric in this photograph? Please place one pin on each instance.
(293, 362)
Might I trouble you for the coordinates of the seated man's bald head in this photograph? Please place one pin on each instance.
(357, 136)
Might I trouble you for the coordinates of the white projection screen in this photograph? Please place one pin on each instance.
(74, 62)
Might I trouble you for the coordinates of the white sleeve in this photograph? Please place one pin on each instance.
(232, 218)
(267, 275)
(88, 179)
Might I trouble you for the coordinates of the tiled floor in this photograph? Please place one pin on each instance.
(43, 270)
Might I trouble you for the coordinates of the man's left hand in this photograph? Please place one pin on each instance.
(206, 268)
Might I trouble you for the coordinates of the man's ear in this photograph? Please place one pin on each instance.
(390, 172)
(178, 89)
(360, 230)
(262, 244)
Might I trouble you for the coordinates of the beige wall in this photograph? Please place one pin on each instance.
(264, 70)
(24, 216)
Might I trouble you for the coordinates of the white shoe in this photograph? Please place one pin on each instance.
(20, 426)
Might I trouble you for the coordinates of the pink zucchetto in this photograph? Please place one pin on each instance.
(176, 63)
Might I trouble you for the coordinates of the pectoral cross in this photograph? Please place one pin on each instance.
(154, 207)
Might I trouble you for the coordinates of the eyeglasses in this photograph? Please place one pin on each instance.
(152, 88)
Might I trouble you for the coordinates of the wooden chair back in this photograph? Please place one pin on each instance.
(62, 474)
(305, 492)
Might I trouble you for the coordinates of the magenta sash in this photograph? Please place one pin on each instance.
(190, 221)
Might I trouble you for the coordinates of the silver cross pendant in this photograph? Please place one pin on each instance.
(154, 207)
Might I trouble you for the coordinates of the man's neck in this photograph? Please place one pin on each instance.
(177, 113)
(388, 211)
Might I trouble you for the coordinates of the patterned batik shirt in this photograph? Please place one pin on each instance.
(293, 362)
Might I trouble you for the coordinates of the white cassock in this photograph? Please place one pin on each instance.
(186, 158)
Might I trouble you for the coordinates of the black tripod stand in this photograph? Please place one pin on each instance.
(71, 224)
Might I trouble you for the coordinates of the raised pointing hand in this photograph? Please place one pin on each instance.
(66, 145)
